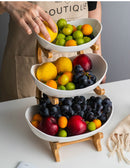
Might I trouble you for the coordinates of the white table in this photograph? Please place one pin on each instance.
(18, 143)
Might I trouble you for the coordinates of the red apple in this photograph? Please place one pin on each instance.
(76, 125)
(84, 61)
(49, 125)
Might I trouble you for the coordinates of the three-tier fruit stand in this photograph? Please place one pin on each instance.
(96, 139)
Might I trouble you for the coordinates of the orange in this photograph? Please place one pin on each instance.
(37, 117)
(74, 28)
(35, 123)
(70, 75)
(87, 29)
(97, 123)
(71, 43)
(62, 122)
(52, 84)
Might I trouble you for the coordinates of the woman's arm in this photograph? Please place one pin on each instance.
(29, 16)
(96, 14)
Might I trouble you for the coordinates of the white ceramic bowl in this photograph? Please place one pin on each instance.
(99, 69)
(97, 28)
(34, 109)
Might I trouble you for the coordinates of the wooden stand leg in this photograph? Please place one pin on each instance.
(80, 52)
(38, 53)
(99, 91)
(95, 47)
(39, 61)
(97, 141)
(38, 95)
(55, 151)
(54, 100)
(47, 53)
(56, 145)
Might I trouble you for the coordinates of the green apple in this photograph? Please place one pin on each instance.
(80, 41)
(70, 86)
(68, 38)
(68, 29)
(60, 42)
(91, 126)
(62, 133)
(60, 35)
(77, 34)
(61, 23)
(79, 27)
(87, 39)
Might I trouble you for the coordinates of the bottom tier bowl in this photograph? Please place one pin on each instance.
(35, 109)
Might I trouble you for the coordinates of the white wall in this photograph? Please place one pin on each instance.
(115, 38)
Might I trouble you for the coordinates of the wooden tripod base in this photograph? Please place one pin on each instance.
(95, 138)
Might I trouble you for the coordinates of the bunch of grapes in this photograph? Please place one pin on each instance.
(83, 79)
(98, 108)
(89, 109)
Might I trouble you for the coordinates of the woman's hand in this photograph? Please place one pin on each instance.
(30, 17)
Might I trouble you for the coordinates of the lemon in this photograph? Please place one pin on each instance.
(63, 64)
(46, 71)
(51, 33)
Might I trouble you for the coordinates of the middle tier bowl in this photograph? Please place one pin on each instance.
(99, 69)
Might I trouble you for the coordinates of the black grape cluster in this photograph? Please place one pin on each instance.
(89, 109)
(98, 108)
(83, 79)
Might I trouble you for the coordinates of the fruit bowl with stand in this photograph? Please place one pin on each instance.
(35, 109)
(56, 142)
(99, 68)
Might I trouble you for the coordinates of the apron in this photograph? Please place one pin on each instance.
(20, 51)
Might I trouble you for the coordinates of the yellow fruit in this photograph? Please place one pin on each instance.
(63, 79)
(70, 75)
(63, 64)
(46, 71)
(51, 33)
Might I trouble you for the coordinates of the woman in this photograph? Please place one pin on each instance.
(25, 19)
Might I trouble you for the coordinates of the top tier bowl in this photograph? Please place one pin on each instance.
(97, 28)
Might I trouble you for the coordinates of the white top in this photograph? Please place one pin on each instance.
(18, 143)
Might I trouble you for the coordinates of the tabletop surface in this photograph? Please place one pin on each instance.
(18, 143)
